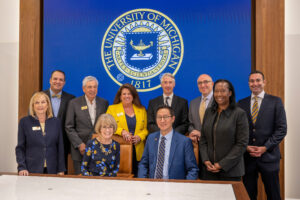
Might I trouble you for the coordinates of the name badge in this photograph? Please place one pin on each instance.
(36, 128)
(84, 107)
(120, 114)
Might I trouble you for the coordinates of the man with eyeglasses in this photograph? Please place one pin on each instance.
(59, 101)
(178, 104)
(199, 105)
(168, 154)
(267, 128)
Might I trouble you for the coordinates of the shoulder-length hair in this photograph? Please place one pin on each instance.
(33, 99)
(232, 102)
(136, 99)
(105, 120)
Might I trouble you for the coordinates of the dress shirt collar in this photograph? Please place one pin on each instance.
(52, 93)
(168, 136)
(88, 101)
(171, 96)
(208, 97)
(260, 95)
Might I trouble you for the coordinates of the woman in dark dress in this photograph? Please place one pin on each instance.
(102, 154)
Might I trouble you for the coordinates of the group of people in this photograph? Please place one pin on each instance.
(235, 139)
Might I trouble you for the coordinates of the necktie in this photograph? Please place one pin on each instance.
(56, 96)
(202, 109)
(167, 101)
(160, 159)
(254, 111)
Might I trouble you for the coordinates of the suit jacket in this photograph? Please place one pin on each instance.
(33, 148)
(270, 127)
(182, 161)
(194, 117)
(117, 111)
(180, 107)
(79, 125)
(228, 143)
(65, 98)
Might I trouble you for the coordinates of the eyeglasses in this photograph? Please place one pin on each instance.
(203, 82)
(107, 127)
(163, 117)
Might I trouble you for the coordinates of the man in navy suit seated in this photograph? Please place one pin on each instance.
(168, 154)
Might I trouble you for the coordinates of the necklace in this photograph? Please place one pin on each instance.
(104, 150)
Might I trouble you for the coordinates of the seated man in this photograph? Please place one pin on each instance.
(168, 154)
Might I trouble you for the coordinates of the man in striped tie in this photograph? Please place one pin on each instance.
(168, 154)
(267, 124)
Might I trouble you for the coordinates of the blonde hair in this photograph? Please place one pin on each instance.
(105, 119)
(34, 97)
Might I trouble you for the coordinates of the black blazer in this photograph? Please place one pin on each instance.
(270, 127)
(65, 98)
(227, 145)
(180, 107)
(33, 148)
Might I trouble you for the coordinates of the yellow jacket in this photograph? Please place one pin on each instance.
(117, 111)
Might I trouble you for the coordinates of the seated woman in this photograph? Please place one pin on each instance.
(40, 146)
(224, 136)
(131, 117)
(102, 154)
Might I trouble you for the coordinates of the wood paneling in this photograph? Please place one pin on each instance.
(269, 56)
(267, 52)
(30, 62)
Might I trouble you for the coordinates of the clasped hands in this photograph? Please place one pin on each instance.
(128, 137)
(256, 151)
(214, 168)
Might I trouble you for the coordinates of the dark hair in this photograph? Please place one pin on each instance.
(60, 72)
(163, 106)
(257, 72)
(232, 103)
(136, 99)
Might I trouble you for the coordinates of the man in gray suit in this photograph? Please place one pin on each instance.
(82, 115)
(199, 105)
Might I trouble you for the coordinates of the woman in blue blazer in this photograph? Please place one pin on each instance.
(40, 144)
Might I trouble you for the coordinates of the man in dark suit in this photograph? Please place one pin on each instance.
(168, 154)
(267, 124)
(59, 101)
(178, 104)
(82, 115)
(199, 105)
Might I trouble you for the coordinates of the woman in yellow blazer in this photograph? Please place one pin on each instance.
(131, 118)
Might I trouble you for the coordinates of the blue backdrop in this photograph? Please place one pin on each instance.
(216, 38)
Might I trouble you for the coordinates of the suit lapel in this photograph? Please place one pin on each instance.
(156, 140)
(86, 111)
(172, 150)
(62, 104)
(174, 102)
(196, 109)
(262, 107)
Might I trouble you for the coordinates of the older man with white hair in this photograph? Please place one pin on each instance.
(81, 116)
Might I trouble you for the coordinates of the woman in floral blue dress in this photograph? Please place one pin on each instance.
(102, 154)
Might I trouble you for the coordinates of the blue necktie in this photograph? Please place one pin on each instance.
(160, 158)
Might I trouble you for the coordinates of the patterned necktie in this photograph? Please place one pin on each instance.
(160, 159)
(202, 109)
(254, 111)
(167, 101)
(56, 96)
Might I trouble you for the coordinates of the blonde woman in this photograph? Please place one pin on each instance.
(102, 154)
(40, 143)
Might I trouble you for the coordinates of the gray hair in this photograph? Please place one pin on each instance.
(88, 79)
(167, 75)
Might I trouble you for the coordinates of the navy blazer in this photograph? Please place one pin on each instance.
(182, 161)
(270, 127)
(33, 148)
